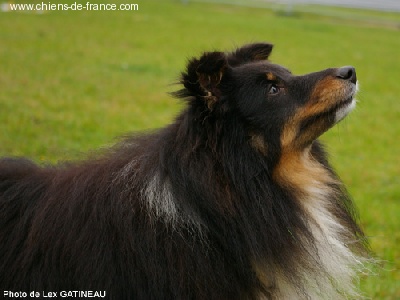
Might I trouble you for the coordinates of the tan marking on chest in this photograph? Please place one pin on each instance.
(299, 170)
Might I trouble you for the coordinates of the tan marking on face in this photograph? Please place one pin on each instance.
(325, 95)
(271, 76)
(288, 135)
(327, 91)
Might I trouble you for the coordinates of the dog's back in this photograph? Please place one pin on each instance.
(15, 168)
(20, 187)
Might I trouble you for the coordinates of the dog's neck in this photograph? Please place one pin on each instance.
(330, 254)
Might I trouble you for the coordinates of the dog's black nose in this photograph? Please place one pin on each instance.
(347, 73)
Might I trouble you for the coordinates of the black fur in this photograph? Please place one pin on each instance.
(91, 225)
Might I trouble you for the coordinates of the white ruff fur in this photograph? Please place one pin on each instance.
(338, 264)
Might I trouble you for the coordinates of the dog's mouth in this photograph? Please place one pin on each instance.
(343, 108)
(334, 113)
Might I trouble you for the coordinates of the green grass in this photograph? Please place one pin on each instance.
(72, 81)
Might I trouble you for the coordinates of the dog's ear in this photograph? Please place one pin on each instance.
(204, 75)
(250, 52)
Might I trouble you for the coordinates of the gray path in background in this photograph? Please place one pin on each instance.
(385, 5)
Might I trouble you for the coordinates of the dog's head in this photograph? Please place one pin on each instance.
(267, 99)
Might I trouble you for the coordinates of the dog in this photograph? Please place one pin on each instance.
(233, 200)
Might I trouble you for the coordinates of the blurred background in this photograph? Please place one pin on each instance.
(73, 80)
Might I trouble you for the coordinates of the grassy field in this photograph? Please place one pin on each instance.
(71, 81)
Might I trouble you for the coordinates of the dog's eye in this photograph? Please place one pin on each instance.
(273, 89)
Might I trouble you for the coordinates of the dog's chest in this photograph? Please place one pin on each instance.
(334, 263)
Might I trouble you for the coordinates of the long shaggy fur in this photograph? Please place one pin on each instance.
(234, 200)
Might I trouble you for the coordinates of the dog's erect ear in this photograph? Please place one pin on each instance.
(250, 52)
(204, 75)
(210, 69)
